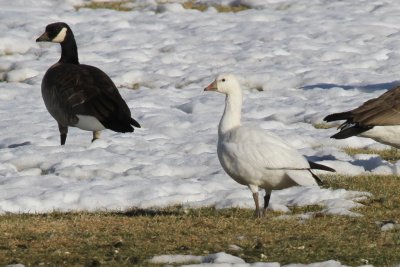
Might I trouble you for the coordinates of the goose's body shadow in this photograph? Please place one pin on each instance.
(27, 143)
(138, 212)
(365, 88)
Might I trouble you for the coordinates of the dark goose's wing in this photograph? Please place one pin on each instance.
(383, 110)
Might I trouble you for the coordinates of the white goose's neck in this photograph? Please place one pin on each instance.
(232, 113)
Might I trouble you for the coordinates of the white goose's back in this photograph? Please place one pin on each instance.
(256, 157)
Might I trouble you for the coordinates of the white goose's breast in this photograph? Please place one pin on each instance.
(246, 172)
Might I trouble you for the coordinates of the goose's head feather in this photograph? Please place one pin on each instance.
(57, 32)
(224, 83)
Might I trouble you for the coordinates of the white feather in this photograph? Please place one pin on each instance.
(388, 135)
(89, 123)
(60, 36)
(255, 157)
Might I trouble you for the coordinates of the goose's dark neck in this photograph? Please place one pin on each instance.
(69, 51)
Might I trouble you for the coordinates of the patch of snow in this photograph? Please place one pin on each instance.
(20, 75)
(175, 259)
(223, 259)
(388, 225)
(170, 7)
(234, 247)
(305, 69)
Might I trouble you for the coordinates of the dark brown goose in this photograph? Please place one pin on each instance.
(378, 119)
(79, 95)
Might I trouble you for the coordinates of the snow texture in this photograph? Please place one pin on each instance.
(222, 259)
(309, 58)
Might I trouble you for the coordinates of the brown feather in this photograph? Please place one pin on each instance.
(383, 110)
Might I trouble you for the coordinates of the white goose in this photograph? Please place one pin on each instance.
(257, 158)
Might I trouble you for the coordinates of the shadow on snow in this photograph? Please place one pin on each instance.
(366, 88)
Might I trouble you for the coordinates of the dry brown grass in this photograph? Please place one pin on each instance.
(130, 238)
(220, 8)
(117, 5)
(323, 125)
(122, 6)
(391, 154)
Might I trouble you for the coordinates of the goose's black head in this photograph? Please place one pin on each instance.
(58, 32)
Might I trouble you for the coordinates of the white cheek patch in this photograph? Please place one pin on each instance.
(60, 36)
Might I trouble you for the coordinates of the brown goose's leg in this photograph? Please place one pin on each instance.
(63, 133)
(96, 135)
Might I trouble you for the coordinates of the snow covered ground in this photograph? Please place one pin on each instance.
(222, 259)
(310, 58)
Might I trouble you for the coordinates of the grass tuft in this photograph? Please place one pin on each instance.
(323, 125)
(135, 86)
(191, 4)
(118, 5)
(220, 8)
(132, 237)
(391, 154)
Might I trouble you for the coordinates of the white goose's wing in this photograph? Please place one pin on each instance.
(262, 150)
(302, 177)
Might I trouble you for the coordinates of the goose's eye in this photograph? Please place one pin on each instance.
(223, 80)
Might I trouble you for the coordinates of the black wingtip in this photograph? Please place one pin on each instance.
(351, 131)
(342, 135)
(318, 166)
(328, 118)
(135, 123)
(316, 178)
(338, 116)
